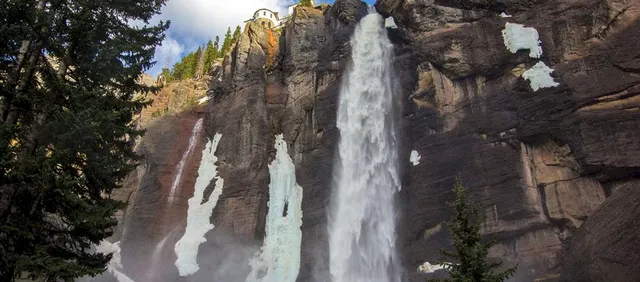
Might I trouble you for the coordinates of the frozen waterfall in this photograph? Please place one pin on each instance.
(279, 258)
(199, 212)
(362, 233)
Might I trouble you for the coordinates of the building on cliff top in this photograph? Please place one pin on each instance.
(265, 17)
(271, 19)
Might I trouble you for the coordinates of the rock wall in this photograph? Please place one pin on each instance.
(540, 162)
(606, 247)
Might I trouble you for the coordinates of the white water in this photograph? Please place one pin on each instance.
(362, 226)
(155, 257)
(279, 258)
(199, 213)
(180, 167)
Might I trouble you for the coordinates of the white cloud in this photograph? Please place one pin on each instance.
(167, 54)
(194, 22)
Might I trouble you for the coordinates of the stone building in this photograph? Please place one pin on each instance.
(266, 18)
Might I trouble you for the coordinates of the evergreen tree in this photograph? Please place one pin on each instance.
(226, 43)
(197, 61)
(236, 34)
(68, 92)
(216, 46)
(186, 68)
(306, 3)
(168, 75)
(210, 54)
(469, 260)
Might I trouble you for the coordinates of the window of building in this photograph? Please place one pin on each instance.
(264, 13)
(262, 23)
(269, 24)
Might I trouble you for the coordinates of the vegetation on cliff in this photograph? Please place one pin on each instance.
(469, 262)
(69, 75)
(198, 63)
(306, 3)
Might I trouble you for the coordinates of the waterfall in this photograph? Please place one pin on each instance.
(362, 226)
(156, 257)
(180, 168)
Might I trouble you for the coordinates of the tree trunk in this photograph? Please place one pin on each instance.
(16, 77)
(31, 49)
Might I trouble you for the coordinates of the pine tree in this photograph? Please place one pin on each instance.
(216, 46)
(470, 263)
(68, 92)
(197, 57)
(306, 3)
(209, 56)
(236, 34)
(211, 53)
(226, 43)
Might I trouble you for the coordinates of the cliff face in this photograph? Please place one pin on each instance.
(541, 161)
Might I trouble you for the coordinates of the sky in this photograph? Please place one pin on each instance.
(194, 22)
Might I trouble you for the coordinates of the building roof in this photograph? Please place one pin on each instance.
(270, 11)
(258, 10)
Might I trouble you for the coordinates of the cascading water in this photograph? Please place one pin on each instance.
(193, 141)
(362, 226)
(156, 257)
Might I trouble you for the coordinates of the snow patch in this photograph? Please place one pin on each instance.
(107, 247)
(415, 158)
(203, 100)
(539, 76)
(198, 213)
(517, 37)
(390, 23)
(279, 258)
(426, 267)
(505, 15)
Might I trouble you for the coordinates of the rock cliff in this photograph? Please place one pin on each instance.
(540, 161)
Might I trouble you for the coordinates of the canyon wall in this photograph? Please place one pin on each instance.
(541, 162)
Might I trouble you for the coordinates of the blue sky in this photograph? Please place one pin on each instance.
(194, 22)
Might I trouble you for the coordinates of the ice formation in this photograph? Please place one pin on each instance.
(390, 22)
(279, 258)
(198, 213)
(415, 158)
(203, 100)
(426, 267)
(107, 247)
(517, 37)
(505, 15)
(195, 133)
(539, 76)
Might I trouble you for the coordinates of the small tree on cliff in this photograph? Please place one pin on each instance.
(305, 3)
(210, 54)
(469, 261)
(226, 43)
(236, 34)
